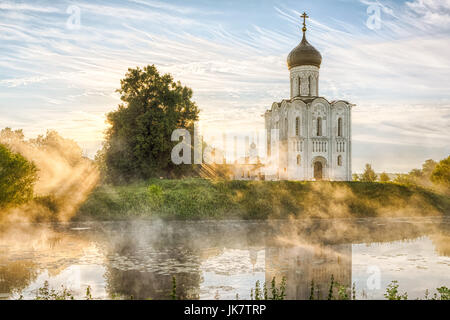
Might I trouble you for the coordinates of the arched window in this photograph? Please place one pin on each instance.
(340, 127)
(339, 160)
(297, 126)
(299, 160)
(310, 85)
(286, 126)
(319, 126)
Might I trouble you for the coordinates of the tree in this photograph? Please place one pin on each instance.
(355, 177)
(9, 136)
(384, 177)
(55, 145)
(428, 167)
(17, 178)
(419, 177)
(368, 175)
(441, 173)
(138, 143)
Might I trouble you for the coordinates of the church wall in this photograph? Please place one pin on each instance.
(330, 148)
(327, 148)
(296, 143)
(341, 144)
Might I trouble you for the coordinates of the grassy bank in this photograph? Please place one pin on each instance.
(202, 199)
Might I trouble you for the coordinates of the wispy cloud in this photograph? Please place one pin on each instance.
(236, 71)
(14, 6)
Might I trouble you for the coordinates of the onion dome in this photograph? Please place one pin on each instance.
(304, 54)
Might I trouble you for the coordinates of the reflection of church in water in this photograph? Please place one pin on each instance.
(308, 138)
(301, 265)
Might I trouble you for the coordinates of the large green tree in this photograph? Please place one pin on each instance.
(138, 142)
(17, 178)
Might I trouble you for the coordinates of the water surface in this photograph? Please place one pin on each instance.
(222, 259)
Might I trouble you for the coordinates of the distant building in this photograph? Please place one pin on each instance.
(249, 167)
(308, 138)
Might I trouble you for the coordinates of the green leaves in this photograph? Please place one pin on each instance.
(278, 293)
(392, 292)
(369, 174)
(17, 178)
(138, 143)
(441, 173)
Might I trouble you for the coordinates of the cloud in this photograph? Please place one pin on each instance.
(397, 75)
(13, 6)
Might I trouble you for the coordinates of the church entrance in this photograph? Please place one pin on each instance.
(318, 170)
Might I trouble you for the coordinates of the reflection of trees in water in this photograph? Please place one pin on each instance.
(147, 272)
(441, 240)
(151, 285)
(174, 245)
(442, 244)
(29, 249)
(335, 231)
(16, 275)
(300, 250)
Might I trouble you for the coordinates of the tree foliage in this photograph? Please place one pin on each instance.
(64, 176)
(369, 174)
(17, 178)
(420, 177)
(138, 142)
(441, 173)
(384, 177)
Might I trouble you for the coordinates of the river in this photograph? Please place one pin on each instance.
(224, 259)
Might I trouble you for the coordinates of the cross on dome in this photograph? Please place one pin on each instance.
(304, 16)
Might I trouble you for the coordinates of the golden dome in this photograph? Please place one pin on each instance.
(304, 54)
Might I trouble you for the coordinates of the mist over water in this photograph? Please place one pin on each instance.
(219, 259)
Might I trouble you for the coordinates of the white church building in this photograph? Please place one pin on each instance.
(308, 137)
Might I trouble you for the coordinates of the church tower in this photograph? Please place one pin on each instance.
(304, 64)
(308, 137)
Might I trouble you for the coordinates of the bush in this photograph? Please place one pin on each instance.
(369, 174)
(384, 177)
(17, 178)
(441, 173)
(155, 195)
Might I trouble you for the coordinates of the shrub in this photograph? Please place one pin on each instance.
(17, 178)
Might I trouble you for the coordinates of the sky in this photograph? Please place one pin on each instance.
(62, 61)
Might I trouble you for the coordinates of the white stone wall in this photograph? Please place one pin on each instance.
(310, 147)
(304, 81)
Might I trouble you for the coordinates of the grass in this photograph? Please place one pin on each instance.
(336, 292)
(223, 199)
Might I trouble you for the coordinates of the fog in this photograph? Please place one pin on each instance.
(65, 177)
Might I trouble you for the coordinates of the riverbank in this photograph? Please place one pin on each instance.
(209, 199)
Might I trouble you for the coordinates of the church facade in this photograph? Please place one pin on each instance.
(308, 137)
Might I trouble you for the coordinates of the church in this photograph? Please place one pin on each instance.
(308, 137)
